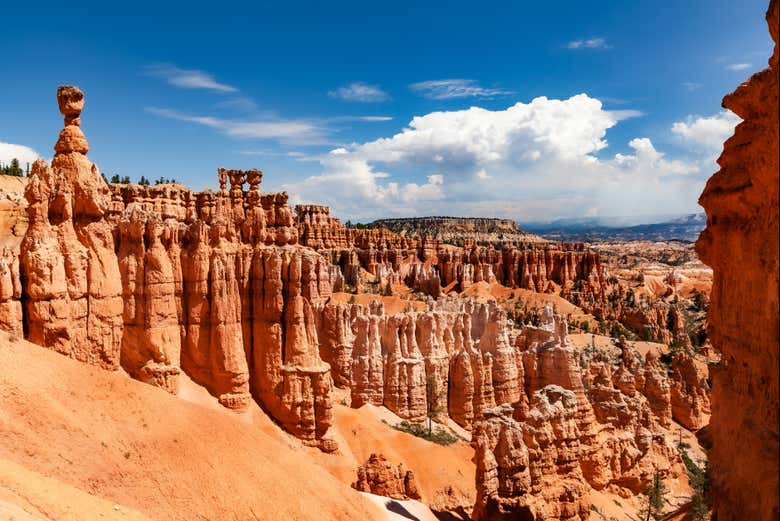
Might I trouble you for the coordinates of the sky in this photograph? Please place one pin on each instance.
(527, 110)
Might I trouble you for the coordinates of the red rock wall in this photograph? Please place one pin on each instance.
(741, 244)
(163, 280)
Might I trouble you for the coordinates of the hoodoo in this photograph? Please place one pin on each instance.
(741, 244)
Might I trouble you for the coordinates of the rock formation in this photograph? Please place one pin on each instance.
(235, 290)
(456, 230)
(382, 478)
(163, 280)
(73, 288)
(740, 243)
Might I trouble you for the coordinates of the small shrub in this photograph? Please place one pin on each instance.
(439, 436)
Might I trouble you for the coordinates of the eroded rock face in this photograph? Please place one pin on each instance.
(165, 280)
(73, 287)
(380, 477)
(740, 243)
(425, 264)
(529, 469)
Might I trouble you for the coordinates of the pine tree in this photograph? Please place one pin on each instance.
(654, 499)
(12, 169)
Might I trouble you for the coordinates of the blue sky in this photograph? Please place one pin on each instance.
(322, 96)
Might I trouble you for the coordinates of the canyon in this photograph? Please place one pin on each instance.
(255, 302)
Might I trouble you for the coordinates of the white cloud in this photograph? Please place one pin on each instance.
(691, 86)
(455, 88)
(620, 115)
(237, 104)
(590, 43)
(297, 131)
(739, 66)
(187, 79)
(24, 154)
(368, 119)
(360, 92)
(293, 130)
(708, 132)
(537, 160)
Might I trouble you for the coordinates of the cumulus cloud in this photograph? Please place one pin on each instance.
(455, 88)
(187, 79)
(590, 43)
(538, 160)
(360, 92)
(739, 66)
(707, 132)
(24, 154)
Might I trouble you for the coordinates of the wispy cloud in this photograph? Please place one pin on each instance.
(739, 66)
(621, 115)
(294, 154)
(455, 88)
(302, 131)
(292, 130)
(238, 104)
(360, 92)
(691, 86)
(367, 119)
(186, 78)
(589, 43)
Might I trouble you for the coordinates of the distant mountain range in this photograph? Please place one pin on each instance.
(684, 228)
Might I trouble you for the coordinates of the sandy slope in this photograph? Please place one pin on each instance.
(444, 475)
(119, 441)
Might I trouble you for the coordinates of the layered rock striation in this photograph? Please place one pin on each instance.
(162, 280)
(740, 243)
(427, 263)
(458, 230)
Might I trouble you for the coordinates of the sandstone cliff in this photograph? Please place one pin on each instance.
(741, 244)
(163, 280)
(459, 230)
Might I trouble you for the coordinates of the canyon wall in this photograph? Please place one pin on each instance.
(162, 280)
(549, 422)
(234, 289)
(459, 230)
(428, 264)
(740, 243)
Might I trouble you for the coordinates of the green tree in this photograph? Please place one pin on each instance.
(654, 499)
(388, 291)
(143, 181)
(698, 478)
(115, 179)
(15, 169)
